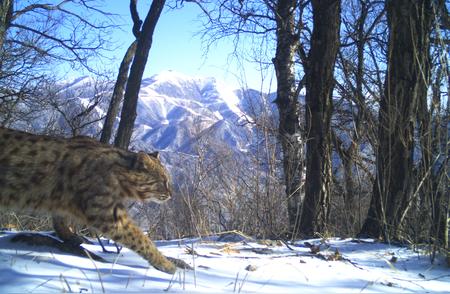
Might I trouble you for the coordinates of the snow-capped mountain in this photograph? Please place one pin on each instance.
(175, 112)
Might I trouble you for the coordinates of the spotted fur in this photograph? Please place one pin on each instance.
(83, 179)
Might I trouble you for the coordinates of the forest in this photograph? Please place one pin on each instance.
(353, 141)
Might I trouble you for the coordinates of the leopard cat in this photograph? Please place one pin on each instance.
(86, 180)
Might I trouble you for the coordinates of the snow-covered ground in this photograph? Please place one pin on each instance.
(226, 265)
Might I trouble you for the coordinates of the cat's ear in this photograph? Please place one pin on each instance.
(154, 154)
(139, 160)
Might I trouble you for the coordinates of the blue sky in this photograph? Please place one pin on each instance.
(177, 46)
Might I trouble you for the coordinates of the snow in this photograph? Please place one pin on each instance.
(221, 266)
(179, 109)
(230, 98)
(174, 110)
(218, 115)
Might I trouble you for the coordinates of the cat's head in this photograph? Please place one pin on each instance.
(153, 180)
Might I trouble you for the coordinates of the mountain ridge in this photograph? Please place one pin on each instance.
(175, 111)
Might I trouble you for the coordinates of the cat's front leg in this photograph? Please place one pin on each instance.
(120, 228)
(64, 232)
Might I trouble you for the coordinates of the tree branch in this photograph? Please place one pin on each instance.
(137, 22)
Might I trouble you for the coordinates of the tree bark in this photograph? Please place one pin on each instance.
(128, 115)
(319, 90)
(406, 84)
(288, 108)
(6, 10)
(117, 95)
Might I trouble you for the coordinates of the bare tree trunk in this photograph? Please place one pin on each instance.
(319, 90)
(288, 108)
(6, 10)
(443, 184)
(128, 115)
(406, 83)
(117, 95)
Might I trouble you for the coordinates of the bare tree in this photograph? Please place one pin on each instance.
(287, 42)
(428, 209)
(432, 175)
(6, 10)
(319, 91)
(36, 37)
(405, 86)
(144, 43)
(277, 24)
(117, 96)
(263, 176)
(122, 76)
(282, 23)
(354, 121)
(220, 189)
(78, 108)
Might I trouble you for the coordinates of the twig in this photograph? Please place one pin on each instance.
(98, 271)
(191, 251)
(243, 282)
(368, 284)
(62, 278)
(352, 263)
(235, 282)
(193, 265)
(128, 281)
(145, 277)
(87, 278)
(115, 262)
(287, 245)
(41, 284)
